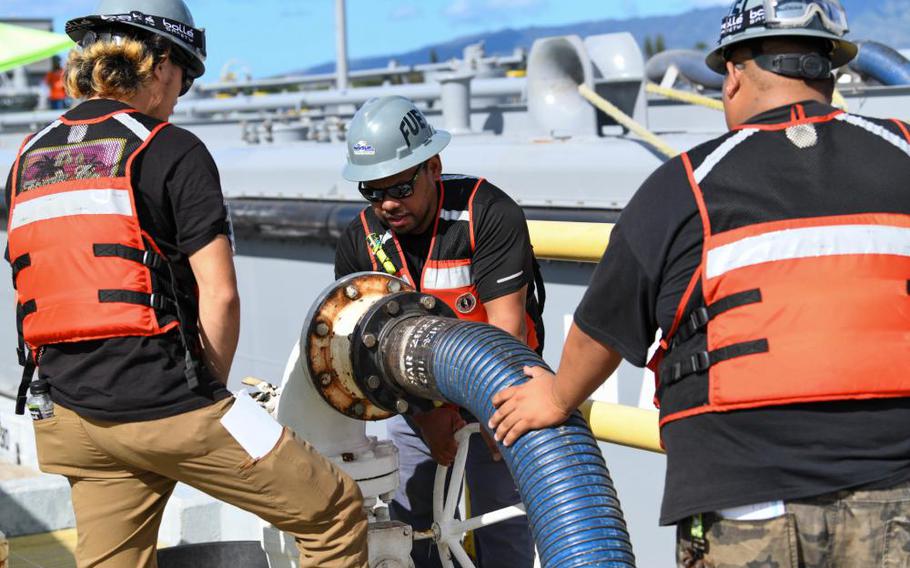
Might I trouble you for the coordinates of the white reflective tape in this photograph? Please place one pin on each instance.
(449, 215)
(512, 277)
(756, 512)
(806, 243)
(138, 129)
(879, 131)
(447, 278)
(721, 152)
(81, 202)
(40, 135)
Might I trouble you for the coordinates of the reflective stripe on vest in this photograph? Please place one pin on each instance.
(792, 311)
(77, 202)
(90, 270)
(447, 271)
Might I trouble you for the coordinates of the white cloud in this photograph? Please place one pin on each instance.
(460, 10)
(474, 10)
(510, 4)
(406, 11)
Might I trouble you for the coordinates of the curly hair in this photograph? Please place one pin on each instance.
(114, 70)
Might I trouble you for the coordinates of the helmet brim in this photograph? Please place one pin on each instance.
(844, 51)
(78, 27)
(433, 146)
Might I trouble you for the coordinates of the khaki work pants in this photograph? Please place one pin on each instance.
(122, 475)
(864, 528)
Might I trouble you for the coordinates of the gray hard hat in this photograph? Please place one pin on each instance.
(755, 19)
(170, 19)
(390, 135)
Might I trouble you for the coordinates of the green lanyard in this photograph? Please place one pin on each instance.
(375, 243)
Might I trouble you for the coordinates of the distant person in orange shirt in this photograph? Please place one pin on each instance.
(54, 81)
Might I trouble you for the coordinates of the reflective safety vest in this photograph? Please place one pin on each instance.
(803, 291)
(83, 267)
(447, 273)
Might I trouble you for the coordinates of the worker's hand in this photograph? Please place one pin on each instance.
(438, 427)
(491, 444)
(529, 406)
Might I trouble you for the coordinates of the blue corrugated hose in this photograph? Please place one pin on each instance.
(882, 63)
(572, 507)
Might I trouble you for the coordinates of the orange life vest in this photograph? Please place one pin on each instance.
(800, 308)
(83, 267)
(54, 81)
(447, 273)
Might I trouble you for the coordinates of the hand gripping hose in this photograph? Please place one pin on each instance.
(572, 507)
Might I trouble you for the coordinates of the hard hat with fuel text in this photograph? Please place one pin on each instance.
(389, 135)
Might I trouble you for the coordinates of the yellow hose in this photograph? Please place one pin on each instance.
(563, 240)
(685, 96)
(624, 119)
(624, 425)
(838, 99)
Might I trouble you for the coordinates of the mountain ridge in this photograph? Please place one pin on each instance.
(887, 21)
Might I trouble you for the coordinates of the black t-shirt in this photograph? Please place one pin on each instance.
(502, 247)
(180, 204)
(739, 458)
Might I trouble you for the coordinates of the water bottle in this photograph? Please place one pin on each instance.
(39, 401)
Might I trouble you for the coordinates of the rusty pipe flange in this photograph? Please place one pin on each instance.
(327, 337)
(380, 364)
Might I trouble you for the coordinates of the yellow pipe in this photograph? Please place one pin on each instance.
(685, 96)
(563, 240)
(625, 120)
(625, 425)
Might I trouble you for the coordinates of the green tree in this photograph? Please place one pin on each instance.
(649, 47)
(701, 46)
(434, 57)
(659, 44)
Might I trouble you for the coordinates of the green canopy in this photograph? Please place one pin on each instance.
(21, 46)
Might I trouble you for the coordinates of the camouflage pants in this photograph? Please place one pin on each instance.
(843, 529)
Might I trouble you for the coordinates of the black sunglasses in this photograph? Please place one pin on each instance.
(397, 191)
(179, 59)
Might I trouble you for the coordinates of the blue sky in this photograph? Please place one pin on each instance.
(271, 36)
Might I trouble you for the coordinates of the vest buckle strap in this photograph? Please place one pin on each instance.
(21, 262)
(24, 355)
(699, 319)
(156, 301)
(700, 362)
(145, 257)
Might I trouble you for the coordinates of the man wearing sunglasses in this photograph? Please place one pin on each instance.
(128, 309)
(463, 240)
(775, 260)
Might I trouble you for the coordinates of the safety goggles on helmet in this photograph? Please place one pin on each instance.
(799, 13)
(787, 14)
(397, 191)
